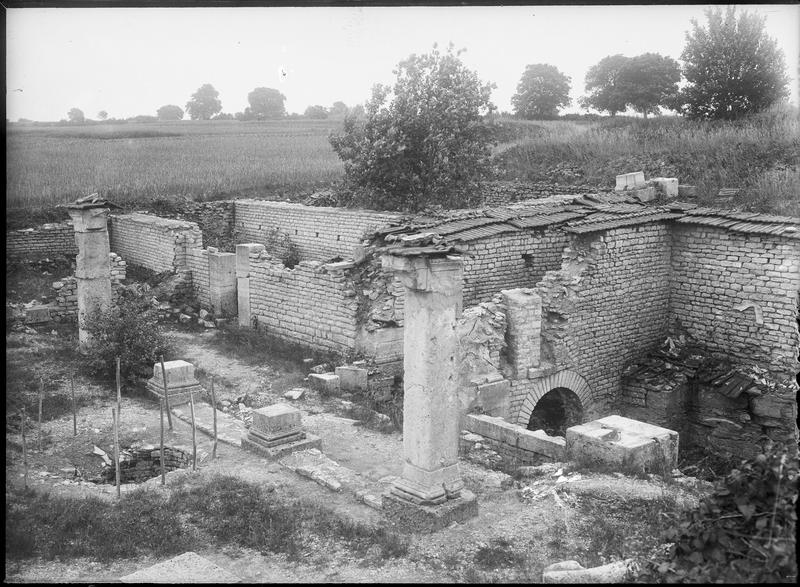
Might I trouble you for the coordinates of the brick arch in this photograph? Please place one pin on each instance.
(567, 379)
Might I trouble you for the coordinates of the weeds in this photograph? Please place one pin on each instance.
(224, 510)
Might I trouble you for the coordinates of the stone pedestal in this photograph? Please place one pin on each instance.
(92, 266)
(277, 430)
(180, 382)
(222, 283)
(430, 484)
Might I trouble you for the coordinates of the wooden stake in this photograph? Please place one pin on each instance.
(24, 447)
(74, 413)
(161, 452)
(41, 399)
(116, 450)
(119, 391)
(214, 406)
(166, 391)
(194, 437)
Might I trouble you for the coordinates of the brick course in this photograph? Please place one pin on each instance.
(158, 244)
(47, 240)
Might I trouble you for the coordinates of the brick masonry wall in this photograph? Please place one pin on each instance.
(320, 233)
(614, 312)
(47, 240)
(66, 290)
(716, 273)
(197, 264)
(308, 304)
(155, 243)
(510, 260)
(215, 220)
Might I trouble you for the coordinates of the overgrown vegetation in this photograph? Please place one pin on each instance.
(758, 154)
(128, 330)
(224, 510)
(744, 532)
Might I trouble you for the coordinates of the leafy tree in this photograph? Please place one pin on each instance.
(732, 67)
(338, 110)
(204, 104)
(170, 112)
(265, 103)
(76, 115)
(223, 116)
(317, 112)
(601, 81)
(427, 144)
(648, 81)
(541, 91)
(102, 115)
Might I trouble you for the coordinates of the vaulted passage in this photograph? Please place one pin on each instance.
(556, 411)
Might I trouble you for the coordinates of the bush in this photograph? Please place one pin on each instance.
(429, 144)
(744, 532)
(130, 331)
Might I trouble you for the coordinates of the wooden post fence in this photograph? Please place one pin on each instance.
(166, 391)
(194, 437)
(116, 450)
(161, 451)
(214, 407)
(74, 413)
(24, 447)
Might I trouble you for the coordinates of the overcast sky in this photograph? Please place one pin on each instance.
(131, 61)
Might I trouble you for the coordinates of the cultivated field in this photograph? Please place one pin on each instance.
(135, 162)
(48, 165)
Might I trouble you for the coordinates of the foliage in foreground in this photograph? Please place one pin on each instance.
(225, 508)
(128, 330)
(744, 532)
(426, 145)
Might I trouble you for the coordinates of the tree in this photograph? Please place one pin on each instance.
(648, 81)
(541, 91)
(265, 103)
(428, 144)
(601, 81)
(102, 115)
(170, 112)
(732, 67)
(204, 103)
(76, 115)
(338, 110)
(318, 112)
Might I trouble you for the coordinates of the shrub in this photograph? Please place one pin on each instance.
(129, 330)
(744, 532)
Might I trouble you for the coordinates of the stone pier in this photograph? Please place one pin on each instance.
(92, 266)
(430, 494)
(277, 430)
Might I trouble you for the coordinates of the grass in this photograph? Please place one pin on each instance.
(49, 165)
(760, 154)
(225, 510)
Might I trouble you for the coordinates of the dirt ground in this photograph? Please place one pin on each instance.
(546, 527)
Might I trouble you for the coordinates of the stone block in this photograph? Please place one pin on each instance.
(254, 444)
(188, 567)
(277, 420)
(667, 186)
(624, 443)
(410, 517)
(178, 373)
(326, 383)
(243, 252)
(494, 398)
(628, 181)
(646, 194)
(37, 315)
(687, 191)
(352, 378)
(295, 394)
(515, 436)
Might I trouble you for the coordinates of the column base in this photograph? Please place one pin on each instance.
(407, 516)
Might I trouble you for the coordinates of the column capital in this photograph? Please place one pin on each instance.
(427, 274)
(89, 219)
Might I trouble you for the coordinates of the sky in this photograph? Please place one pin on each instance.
(132, 61)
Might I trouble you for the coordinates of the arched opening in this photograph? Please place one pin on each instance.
(556, 411)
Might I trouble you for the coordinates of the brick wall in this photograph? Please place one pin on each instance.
(510, 260)
(308, 304)
(66, 290)
(197, 264)
(718, 276)
(155, 243)
(606, 306)
(47, 240)
(320, 233)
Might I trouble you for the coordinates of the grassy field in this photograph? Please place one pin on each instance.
(48, 165)
(133, 163)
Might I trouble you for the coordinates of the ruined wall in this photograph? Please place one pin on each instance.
(47, 240)
(510, 260)
(197, 263)
(738, 293)
(66, 290)
(607, 305)
(158, 244)
(320, 233)
(309, 304)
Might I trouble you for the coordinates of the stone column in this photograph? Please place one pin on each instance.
(430, 493)
(92, 266)
(222, 283)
